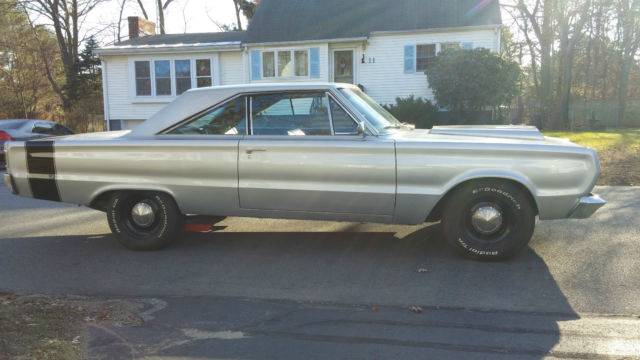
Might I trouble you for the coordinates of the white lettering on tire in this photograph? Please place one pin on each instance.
(476, 251)
(500, 192)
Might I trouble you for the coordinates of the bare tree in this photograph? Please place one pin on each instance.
(162, 7)
(540, 18)
(572, 17)
(65, 18)
(629, 18)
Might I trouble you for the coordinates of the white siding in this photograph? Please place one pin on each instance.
(385, 79)
(324, 62)
(231, 68)
(122, 105)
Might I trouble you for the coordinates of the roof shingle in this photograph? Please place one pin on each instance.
(286, 20)
(300, 20)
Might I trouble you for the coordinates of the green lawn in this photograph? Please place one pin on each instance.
(601, 140)
(619, 153)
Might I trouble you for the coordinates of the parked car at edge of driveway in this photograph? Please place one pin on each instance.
(311, 151)
(25, 129)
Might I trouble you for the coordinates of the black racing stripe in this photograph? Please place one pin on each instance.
(42, 170)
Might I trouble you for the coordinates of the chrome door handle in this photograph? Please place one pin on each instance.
(251, 151)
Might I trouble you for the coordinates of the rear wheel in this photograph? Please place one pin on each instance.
(144, 220)
(489, 220)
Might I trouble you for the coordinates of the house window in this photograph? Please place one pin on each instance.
(450, 45)
(425, 54)
(171, 77)
(302, 62)
(289, 63)
(203, 73)
(268, 64)
(143, 78)
(285, 65)
(182, 69)
(163, 77)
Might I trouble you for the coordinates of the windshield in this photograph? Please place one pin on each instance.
(377, 116)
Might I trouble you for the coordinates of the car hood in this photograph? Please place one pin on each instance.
(491, 131)
(499, 134)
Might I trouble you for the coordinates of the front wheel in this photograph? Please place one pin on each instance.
(489, 220)
(144, 221)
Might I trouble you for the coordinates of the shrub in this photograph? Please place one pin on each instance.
(416, 111)
(467, 81)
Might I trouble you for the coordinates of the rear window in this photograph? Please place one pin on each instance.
(11, 124)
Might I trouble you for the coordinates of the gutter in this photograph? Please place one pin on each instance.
(278, 43)
(167, 48)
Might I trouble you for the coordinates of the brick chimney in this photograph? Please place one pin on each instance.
(140, 27)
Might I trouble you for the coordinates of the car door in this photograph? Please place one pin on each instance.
(203, 158)
(297, 159)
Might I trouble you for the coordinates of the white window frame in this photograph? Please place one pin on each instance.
(153, 98)
(292, 52)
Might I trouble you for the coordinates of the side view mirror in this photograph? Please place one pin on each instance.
(361, 128)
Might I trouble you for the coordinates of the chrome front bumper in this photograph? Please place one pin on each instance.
(8, 181)
(587, 206)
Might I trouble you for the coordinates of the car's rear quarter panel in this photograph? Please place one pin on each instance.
(556, 176)
(200, 174)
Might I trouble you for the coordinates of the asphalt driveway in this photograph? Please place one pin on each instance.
(292, 289)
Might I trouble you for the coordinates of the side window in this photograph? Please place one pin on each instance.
(293, 114)
(43, 128)
(61, 130)
(227, 119)
(343, 123)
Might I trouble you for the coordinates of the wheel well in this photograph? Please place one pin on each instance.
(101, 201)
(436, 213)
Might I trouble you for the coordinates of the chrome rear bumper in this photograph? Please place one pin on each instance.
(587, 206)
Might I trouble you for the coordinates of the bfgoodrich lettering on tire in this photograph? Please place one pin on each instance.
(489, 220)
(144, 220)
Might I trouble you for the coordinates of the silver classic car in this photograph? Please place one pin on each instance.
(311, 151)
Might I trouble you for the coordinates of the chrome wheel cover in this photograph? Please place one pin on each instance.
(143, 214)
(486, 218)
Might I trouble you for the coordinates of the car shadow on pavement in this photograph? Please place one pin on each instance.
(461, 306)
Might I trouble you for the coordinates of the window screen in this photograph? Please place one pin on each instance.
(425, 54)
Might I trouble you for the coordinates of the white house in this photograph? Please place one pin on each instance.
(382, 45)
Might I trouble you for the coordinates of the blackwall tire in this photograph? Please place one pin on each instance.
(489, 220)
(144, 221)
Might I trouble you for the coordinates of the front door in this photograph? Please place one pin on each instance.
(343, 66)
(297, 159)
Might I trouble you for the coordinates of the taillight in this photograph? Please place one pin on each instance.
(5, 136)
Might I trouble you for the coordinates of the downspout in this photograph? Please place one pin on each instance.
(105, 95)
(499, 39)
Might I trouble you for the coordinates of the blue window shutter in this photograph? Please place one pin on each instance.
(256, 65)
(314, 63)
(409, 59)
(467, 45)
